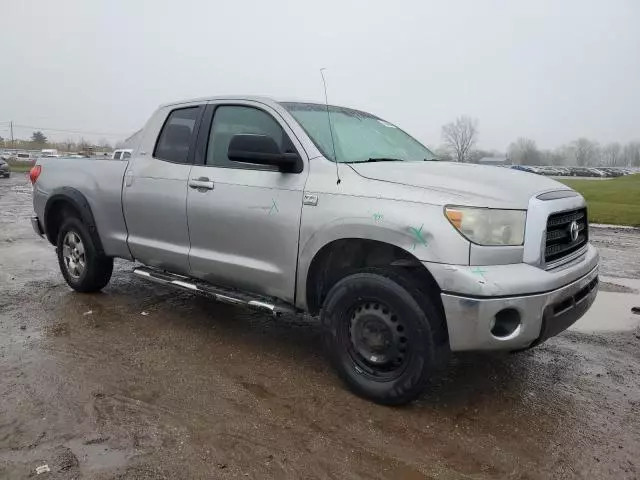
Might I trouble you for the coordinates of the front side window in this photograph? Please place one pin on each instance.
(175, 138)
(358, 136)
(230, 120)
(126, 155)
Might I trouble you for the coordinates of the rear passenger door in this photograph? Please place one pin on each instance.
(244, 219)
(155, 189)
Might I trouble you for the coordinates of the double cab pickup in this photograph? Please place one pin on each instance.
(301, 207)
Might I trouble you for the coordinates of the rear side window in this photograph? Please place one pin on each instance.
(126, 155)
(117, 155)
(175, 137)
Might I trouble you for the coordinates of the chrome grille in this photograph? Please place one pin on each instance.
(560, 242)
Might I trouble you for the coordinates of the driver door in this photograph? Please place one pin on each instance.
(244, 219)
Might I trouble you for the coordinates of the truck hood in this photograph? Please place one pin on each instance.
(462, 183)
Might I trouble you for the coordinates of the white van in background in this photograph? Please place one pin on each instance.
(122, 154)
(50, 153)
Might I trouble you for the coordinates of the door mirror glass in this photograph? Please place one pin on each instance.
(261, 150)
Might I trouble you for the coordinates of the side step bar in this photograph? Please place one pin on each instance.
(233, 297)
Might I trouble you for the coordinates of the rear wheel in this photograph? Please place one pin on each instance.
(382, 335)
(84, 269)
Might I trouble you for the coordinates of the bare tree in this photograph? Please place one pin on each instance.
(443, 154)
(611, 154)
(586, 151)
(460, 136)
(104, 144)
(524, 152)
(631, 154)
(552, 157)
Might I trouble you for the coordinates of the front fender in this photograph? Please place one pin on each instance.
(421, 230)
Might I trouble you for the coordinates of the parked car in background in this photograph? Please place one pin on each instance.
(550, 171)
(524, 168)
(598, 173)
(5, 171)
(555, 171)
(582, 172)
(25, 157)
(613, 172)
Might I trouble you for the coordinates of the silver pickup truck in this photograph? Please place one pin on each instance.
(303, 207)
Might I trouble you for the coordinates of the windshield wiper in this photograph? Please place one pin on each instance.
(384, 159)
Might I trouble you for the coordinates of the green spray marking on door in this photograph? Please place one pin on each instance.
(274, 206)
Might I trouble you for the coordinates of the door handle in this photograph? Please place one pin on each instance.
(201, 183)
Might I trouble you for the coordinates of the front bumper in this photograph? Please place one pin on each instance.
(546, 302)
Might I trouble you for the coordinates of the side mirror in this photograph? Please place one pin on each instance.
(261, 150)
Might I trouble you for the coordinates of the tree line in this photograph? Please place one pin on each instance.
(39, 140)
(460, 137)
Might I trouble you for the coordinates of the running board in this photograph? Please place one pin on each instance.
(217, 293)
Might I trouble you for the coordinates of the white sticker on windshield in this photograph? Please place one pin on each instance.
(386, 124)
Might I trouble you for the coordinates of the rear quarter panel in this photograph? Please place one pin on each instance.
(100, 181)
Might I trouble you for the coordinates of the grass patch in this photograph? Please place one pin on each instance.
(615, 201)
(20, 167)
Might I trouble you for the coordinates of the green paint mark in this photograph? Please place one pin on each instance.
(418, 234)
(479, 271)
(377, 217)
(274, 206)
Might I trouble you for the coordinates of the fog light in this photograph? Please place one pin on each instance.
(505, 323)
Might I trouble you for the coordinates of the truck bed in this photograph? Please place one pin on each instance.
(100, 182)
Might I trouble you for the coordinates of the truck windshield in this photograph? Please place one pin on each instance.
(358, 136)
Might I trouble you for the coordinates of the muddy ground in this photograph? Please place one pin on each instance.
(143, 382)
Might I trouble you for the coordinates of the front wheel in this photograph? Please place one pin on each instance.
(84, 269)
(382, 335)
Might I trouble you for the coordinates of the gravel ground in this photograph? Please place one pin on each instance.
(142, 382)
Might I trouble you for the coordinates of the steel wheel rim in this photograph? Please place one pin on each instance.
(377, 341)
(73, 254)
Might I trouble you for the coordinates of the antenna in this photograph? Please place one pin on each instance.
(333, 143)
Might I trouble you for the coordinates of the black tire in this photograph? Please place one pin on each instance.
(413, 347)
(97, 270)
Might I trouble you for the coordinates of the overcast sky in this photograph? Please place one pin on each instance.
(551, 70)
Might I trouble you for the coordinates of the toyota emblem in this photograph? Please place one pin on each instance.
(574, 230)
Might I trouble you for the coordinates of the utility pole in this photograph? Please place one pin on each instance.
(13, 143)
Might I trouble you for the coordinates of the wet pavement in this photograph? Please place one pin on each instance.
(143, 382)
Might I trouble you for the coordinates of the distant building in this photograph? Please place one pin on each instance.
(494, 161)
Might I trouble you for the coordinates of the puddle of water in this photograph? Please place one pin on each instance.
(97, 456)
(631, 283)
(610, 312)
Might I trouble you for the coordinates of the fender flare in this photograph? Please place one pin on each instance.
(348, 228)
(80, 203)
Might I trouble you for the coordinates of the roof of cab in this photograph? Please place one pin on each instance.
(255, 98)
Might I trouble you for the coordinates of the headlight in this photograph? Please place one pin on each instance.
(488, 226)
